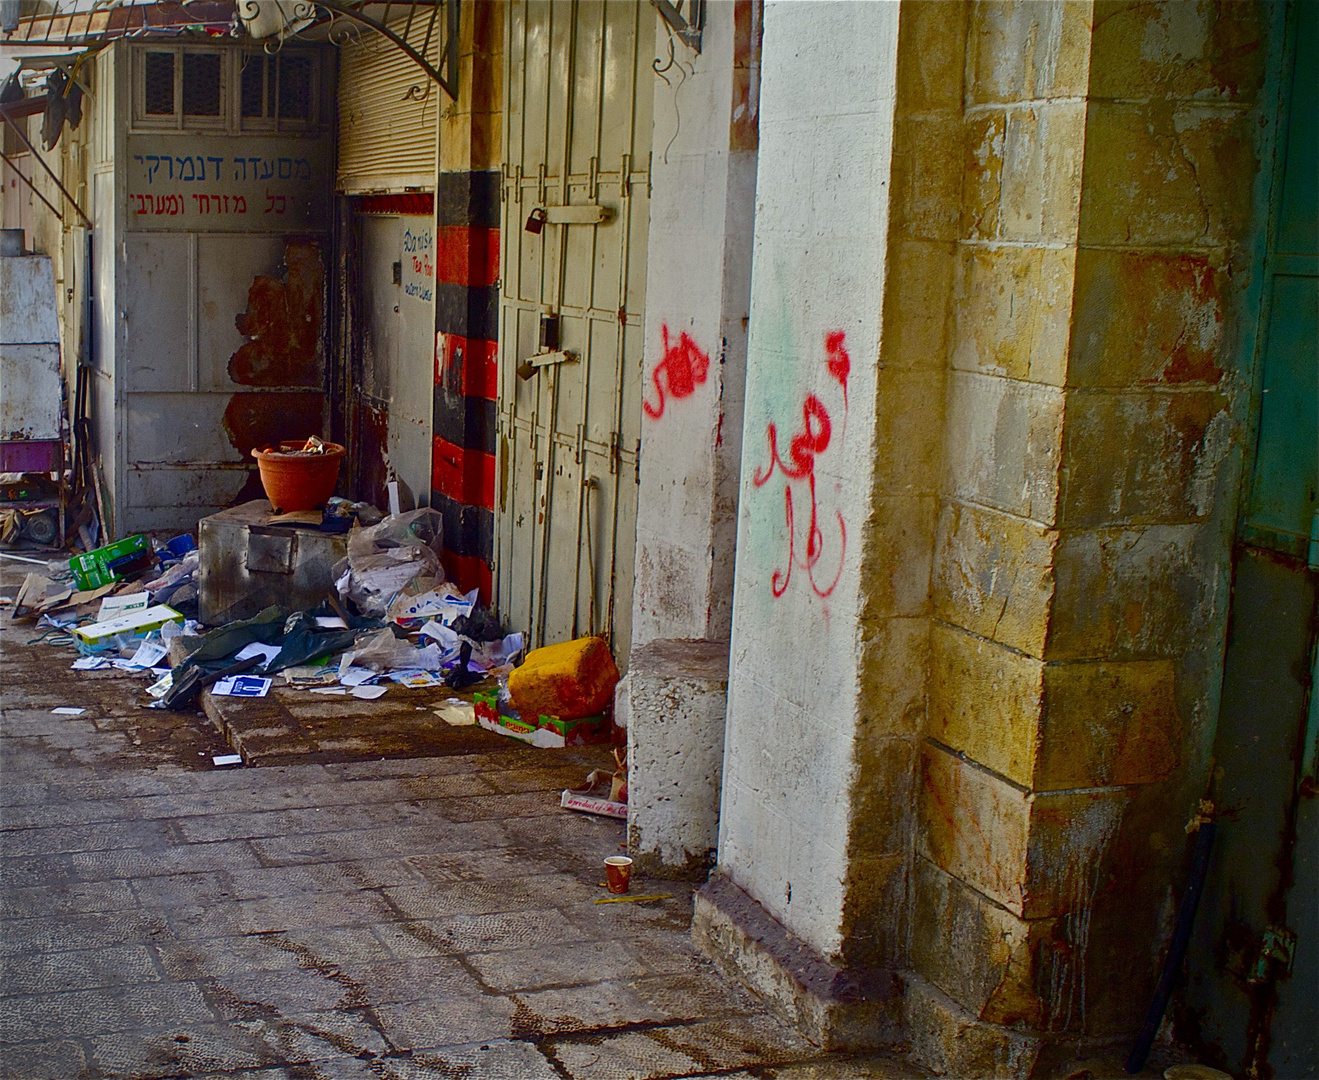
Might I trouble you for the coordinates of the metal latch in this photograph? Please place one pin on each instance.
(531, 364)
(568, 215)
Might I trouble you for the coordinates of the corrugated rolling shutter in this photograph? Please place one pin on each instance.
(387, 129)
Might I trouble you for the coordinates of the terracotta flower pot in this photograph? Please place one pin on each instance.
(297, 480)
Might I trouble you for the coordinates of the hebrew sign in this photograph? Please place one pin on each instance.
(226, 183)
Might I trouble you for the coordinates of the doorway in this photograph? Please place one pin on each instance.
(576, 162)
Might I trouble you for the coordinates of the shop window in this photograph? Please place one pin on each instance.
(158, 80)
(201, 84)
(278, 91)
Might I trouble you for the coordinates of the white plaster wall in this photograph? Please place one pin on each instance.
(826, 121)
(698, 281)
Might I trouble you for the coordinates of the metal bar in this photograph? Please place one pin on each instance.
(10, 162)
(450, 85)
(454, 13)
(42, 161)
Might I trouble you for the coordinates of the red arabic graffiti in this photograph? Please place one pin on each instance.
(685, 368)
(805, 447)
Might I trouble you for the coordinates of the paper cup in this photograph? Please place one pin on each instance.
(618, 871)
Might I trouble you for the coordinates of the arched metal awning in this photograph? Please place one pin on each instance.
(84, 25)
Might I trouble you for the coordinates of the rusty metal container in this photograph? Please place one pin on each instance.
(247, 564)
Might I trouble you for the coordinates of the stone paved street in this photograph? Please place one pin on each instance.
(431, 917)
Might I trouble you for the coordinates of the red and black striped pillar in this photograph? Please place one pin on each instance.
(466, 374)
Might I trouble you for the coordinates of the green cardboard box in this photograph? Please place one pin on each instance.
(96, 567)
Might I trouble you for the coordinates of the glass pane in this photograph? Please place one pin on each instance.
(295, 87)
(201, 84)
(254, 89)
(159, 79)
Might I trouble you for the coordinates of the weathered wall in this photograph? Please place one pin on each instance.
(1091, 461)
(698, 273)
(1007, 412)
(809, 440)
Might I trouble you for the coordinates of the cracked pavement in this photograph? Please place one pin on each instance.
(391, 919)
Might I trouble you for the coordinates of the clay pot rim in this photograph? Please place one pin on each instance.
(283, 453)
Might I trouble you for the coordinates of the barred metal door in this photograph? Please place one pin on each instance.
(577, 152)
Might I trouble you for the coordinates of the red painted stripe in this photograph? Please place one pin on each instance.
(468, 366)
(422, 202)
(467, 255)
(447, 469)
(469, 572)
(481, 478)
(466, 476)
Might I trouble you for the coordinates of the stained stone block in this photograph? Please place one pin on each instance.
(678, 695)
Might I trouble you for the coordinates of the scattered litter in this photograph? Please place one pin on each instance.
(330, 622)
(176, 584)
(58, 622)
(618, 873)
(149, 654)
(310, 676)
(90, 663)
(443, 605)
(114, 606)
(402, 551)
(355, 676)
(103, 636)
(382, 652)
(589, 804)
(415, 680)
(227, 759)
(457, 713)
(368, 692)
(68, 710)
(338, 690)
(633, 899)
(241, 686)
(266, 652)
(161, 686)
(112, 562)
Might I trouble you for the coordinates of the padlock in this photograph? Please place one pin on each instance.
(535, 220)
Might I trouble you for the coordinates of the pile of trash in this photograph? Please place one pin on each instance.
(392, 620)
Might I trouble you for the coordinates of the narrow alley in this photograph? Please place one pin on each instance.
(659, 538)
(389, 920)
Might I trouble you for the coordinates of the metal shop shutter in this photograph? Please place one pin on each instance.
(388, 112)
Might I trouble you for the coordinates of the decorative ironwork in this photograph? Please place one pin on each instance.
(686, 17)
(91, 24)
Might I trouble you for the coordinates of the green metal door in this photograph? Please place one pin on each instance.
(1251, 1000)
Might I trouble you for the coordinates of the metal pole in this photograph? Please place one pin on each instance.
(10, 162)
(42, 162)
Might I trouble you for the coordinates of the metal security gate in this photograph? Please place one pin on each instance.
(576, 163)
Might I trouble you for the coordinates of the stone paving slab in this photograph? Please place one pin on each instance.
(423, 916)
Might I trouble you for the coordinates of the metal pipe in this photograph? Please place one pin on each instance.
(1181, 937)
(42, 162)
(10, 162)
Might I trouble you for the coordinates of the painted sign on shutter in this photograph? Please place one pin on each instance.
(223, 183)
(419, 259)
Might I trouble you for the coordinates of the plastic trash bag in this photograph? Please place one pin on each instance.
(403, 550)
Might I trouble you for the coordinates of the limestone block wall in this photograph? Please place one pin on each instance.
(702, 205)
(1091, 459)
(809, 441)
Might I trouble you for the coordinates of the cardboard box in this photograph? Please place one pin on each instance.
(130, 624)
(585, 731)
(97, 567)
